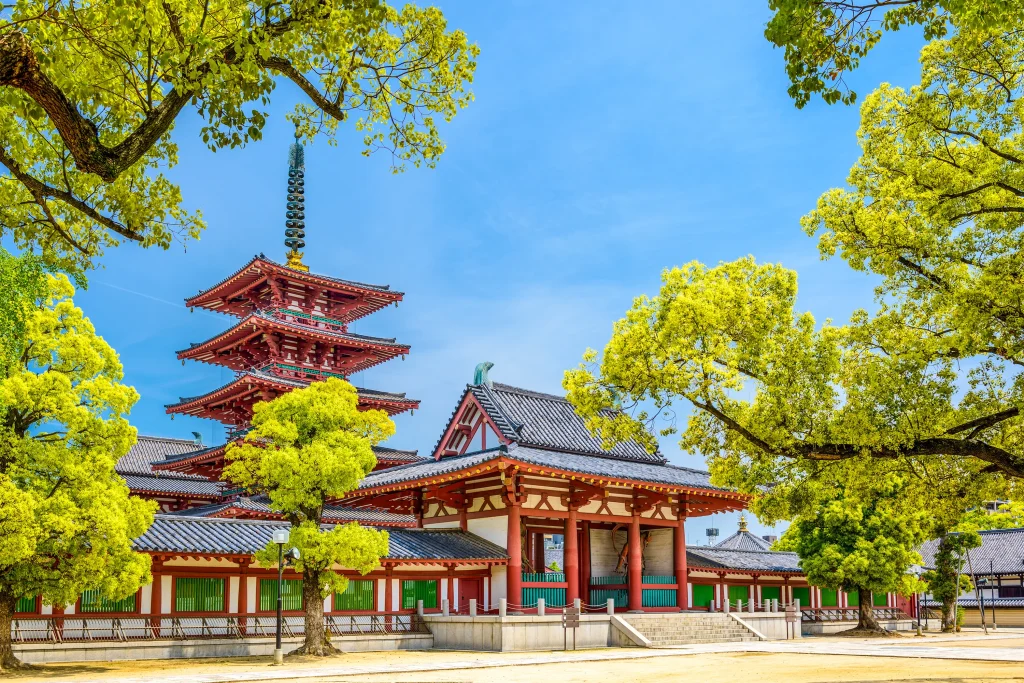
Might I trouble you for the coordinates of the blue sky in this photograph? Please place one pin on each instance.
(607, 141)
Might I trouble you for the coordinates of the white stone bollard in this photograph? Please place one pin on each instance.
(444, 608)
(472, 607)
(578, 604)
(419, 607)
(540, 607)
(611, 605)
(502, 607)
(775, 604)
(725, 606)
(751, 605)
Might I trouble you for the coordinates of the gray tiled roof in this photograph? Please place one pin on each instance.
(397, 454)
(260, 504)
(177, 484)
(584, 464)
(198, 535)
(973, 603)
(744, 540)
(747, 560)
(531, 418)
(1004, 548)
(149, 449)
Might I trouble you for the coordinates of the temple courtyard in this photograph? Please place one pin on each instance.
(970, 656)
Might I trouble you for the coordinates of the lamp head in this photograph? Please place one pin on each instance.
(280, 536)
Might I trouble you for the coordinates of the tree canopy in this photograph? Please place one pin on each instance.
(826, 39)
(66, 518)
(931, 374)
(306, 448)
(90, 92)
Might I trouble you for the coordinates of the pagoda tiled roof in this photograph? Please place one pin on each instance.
(189, 535)
(259, 506)
(382, 453)
(305, 331)
(711, 557)
(253, 270)
(1003, 548)
(286, 383)
(174, 484)
(397, 455)
(149, 449)
(744, 540)
(608, 468)
(547, 421)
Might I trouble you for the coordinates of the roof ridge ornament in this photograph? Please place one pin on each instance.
(295, 225)
(480, 374)
(743, 523)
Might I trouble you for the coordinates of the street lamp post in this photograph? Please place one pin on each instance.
(280, 538)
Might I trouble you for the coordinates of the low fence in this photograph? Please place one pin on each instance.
(67, 629)
(830, 614)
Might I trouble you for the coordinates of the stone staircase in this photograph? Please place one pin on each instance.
(689, 628)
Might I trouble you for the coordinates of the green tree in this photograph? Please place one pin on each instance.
(946, 580)
(21, 280)
(306, 448)
(861, 542)
(826, 39)
(66, 518)
(90, 91)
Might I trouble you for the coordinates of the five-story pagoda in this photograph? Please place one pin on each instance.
(292, 329)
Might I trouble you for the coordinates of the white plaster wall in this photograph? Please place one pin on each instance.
(493, 529)
(233, 595)
(658, 555)
(381, 587)
(396, 593)
(146, 597)
(165, 595)
(444, 591)
(604, 551)
(499, 584)
(47, 609)
(327, 602)
(454, 524)
(250, 594)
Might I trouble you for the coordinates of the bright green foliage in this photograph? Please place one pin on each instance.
(861, 542)
(305, 448)
(946, 580)
(90, 91)
(826, 39)
(21, 280)
(66, 518)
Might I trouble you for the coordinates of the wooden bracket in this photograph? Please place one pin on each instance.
(643, 501)
(453, 495)
(580, 494)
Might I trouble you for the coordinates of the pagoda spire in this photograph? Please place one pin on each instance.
(295, 225)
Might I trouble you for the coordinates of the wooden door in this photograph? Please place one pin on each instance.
(470, 589)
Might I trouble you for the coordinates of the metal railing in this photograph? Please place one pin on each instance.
(824, 614)
(63, 629)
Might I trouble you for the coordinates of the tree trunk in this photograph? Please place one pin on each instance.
(8, 661)
(866, 613)
(317, 642)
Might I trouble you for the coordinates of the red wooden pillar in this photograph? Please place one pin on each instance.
(679, 539)
(572, 559)
(453, 600)
(155, 598)
(515, 557)
(635, 565)
(243, 597)
(388, 592)
(463, 519)
(585, 563)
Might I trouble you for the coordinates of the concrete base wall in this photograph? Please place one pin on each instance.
(518, 633)
(44, 653)
(830, 627)
(769, 625)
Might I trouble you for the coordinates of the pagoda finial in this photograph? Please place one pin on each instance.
(480, 374)
(743, 523)
(295, 225)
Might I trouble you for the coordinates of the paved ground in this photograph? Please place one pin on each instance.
(965, 657)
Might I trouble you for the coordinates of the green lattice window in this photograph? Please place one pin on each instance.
(291, 594)
(739, 593)
(358, 595)
(880, 599)
(93, 602)
(771, 593)
(829, 597)
(25, 605)
(419, 590)
(703, 595)
(853, 600)
(199, 595)
(803, 594)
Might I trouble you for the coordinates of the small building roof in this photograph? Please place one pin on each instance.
(259, 507)
(150, 449)
(713, 557)
(744, 540)
(532, 418)
(605, 468)
(185, 535)
(1001, 552)
(174, 484)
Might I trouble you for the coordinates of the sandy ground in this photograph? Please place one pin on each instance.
(710, 668)
(743, 667)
